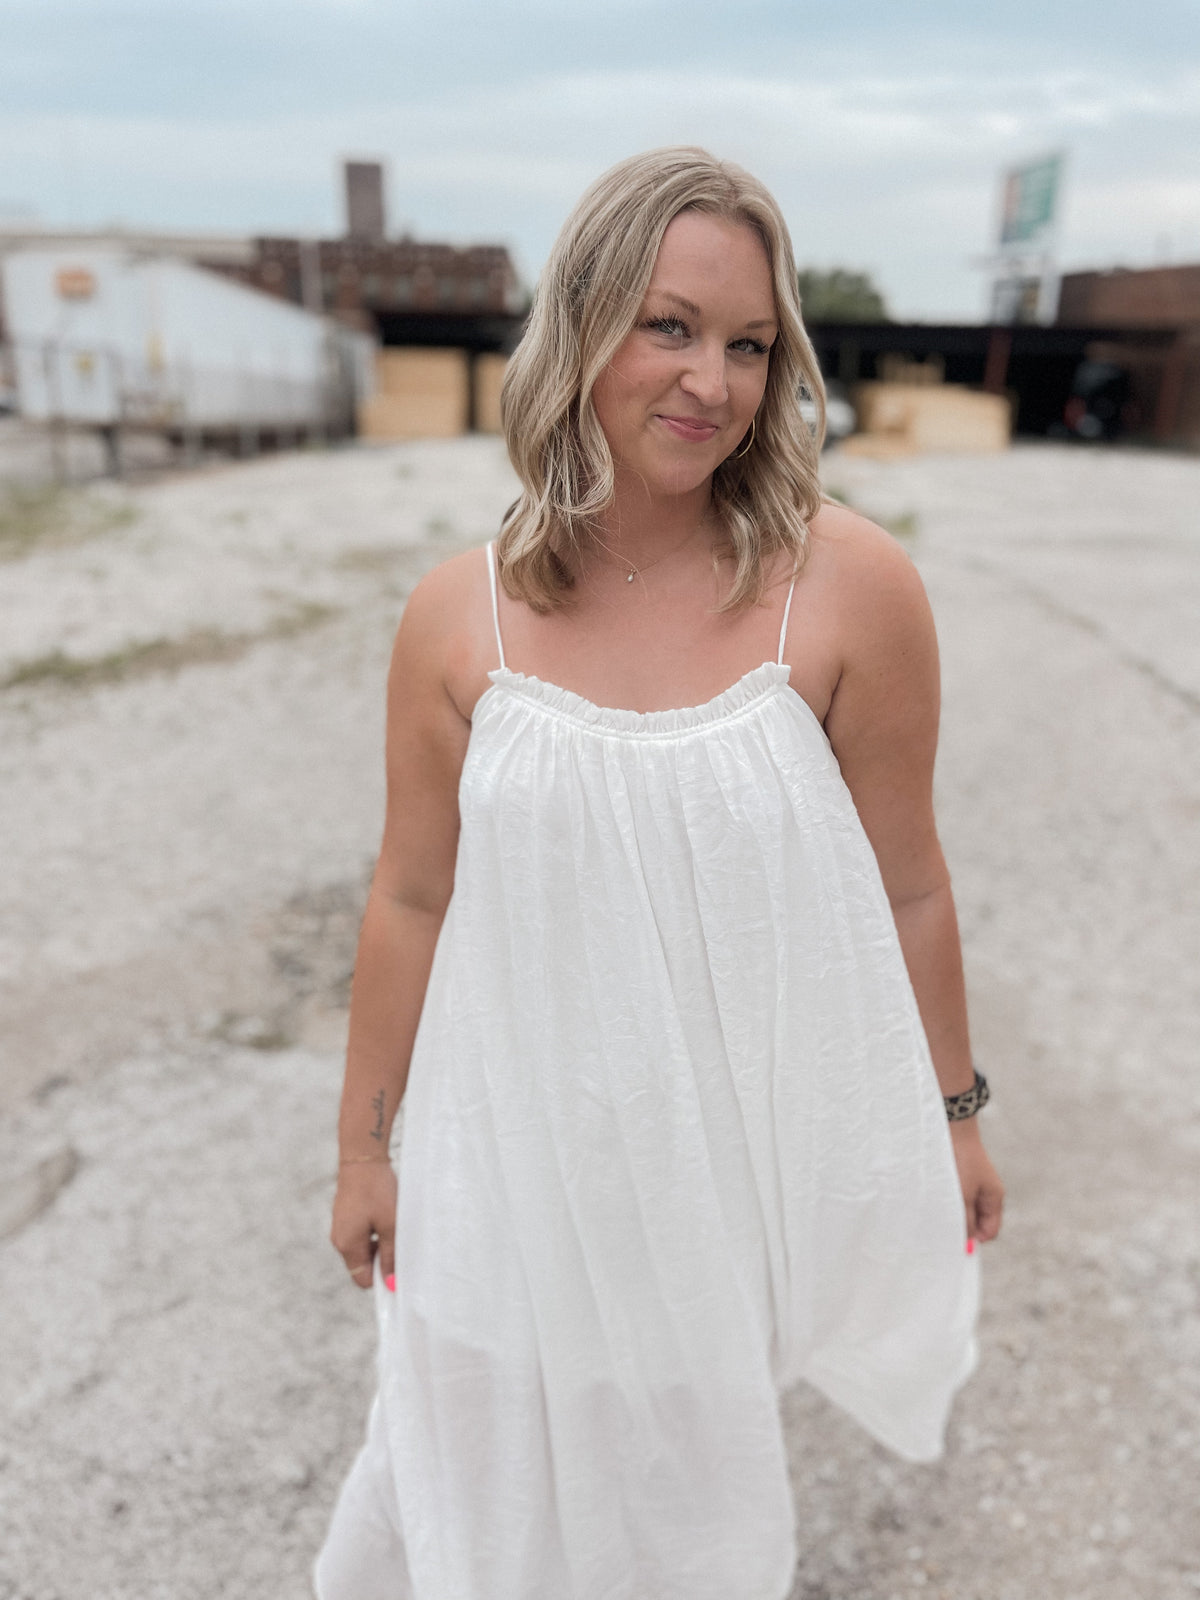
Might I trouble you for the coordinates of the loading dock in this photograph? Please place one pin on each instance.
(1033, 364)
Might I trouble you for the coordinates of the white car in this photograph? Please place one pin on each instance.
(840, 419)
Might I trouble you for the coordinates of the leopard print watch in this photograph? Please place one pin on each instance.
(961, 1106)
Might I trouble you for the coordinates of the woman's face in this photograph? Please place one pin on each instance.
(681, 391)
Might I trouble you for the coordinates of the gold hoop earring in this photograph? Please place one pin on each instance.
(738, 454)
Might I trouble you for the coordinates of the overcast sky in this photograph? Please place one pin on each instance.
(882, 126)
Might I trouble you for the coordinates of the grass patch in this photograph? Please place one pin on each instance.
(132, 660)
(252, 1033)
(905, 525)
(902, 525)
(372, 557)
(309, 614)
(147, 657)
(38, 516)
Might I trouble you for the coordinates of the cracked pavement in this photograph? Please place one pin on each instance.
(187, 836)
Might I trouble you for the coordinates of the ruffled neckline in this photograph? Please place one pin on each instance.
(750, 688)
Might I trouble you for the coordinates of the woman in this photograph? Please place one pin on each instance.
(674, 996)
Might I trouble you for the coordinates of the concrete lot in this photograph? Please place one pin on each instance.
(191, 795)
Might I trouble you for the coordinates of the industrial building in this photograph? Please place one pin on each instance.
(1164, 372)
(446, 318)
(117, 343)
(1034, 366)
(443, 319)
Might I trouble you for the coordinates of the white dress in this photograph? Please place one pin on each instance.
(672, 1142)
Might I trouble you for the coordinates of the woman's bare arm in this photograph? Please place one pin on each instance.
(883, 726)
(410, 889)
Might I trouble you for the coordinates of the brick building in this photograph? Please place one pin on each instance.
(403, 290)
(446, 316)
(406, 291)
(1166, 378)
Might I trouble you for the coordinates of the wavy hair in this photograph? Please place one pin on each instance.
(586, 303)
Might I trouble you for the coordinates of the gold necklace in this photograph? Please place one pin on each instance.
(636, 572)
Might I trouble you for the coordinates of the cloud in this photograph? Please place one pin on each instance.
(884, 142)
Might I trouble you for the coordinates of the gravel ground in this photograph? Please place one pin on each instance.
(190, 741)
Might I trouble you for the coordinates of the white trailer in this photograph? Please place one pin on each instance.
(109, 339)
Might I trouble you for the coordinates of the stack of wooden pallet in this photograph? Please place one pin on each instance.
(909, 410)
(432, 394)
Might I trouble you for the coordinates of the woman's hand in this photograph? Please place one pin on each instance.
(364, 1220)
(427, 736)
(983, 1193)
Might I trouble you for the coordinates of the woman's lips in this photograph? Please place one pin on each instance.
(690, 428)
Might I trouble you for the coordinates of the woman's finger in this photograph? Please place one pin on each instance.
(360, 1273)
(387, 1254)
(989, 1208)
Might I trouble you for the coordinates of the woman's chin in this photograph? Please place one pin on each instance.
(669, 479)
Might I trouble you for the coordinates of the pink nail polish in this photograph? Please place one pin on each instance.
(389, 1283)
(970, 1247)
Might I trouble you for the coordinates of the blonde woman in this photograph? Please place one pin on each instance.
(661, 954)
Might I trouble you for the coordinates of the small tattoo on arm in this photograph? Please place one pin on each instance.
(377, 1105)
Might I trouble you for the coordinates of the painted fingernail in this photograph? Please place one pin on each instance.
(970, 1247)
(389, 1283)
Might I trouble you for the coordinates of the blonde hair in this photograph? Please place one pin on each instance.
(586, 303)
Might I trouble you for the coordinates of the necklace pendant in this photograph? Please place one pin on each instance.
(631, 577)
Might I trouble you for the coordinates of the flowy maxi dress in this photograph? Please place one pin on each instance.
(672, 1142)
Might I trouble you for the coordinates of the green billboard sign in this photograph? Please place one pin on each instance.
(1030, 195)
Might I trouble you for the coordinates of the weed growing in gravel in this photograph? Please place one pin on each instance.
(252, 1033)
(147, 656)
(35, 516)
(902, 525)
(905, 525)
(308, 614)
(372, 557)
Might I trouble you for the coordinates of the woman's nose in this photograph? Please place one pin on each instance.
(705, 377)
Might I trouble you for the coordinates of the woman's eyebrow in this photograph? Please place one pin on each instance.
(694, 310)
(689, 306)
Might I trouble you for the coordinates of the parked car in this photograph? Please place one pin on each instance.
(1100, 396)
(8, 382)
(839, 413)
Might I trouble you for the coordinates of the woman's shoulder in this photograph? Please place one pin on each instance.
(865, 569)
(450, 586)
(447, 624)
(852, 543)
(449, 601)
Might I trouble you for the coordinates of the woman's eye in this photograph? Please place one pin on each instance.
(673, 327)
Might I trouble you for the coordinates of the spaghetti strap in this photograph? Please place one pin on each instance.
(783, 629)
(491, 558)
